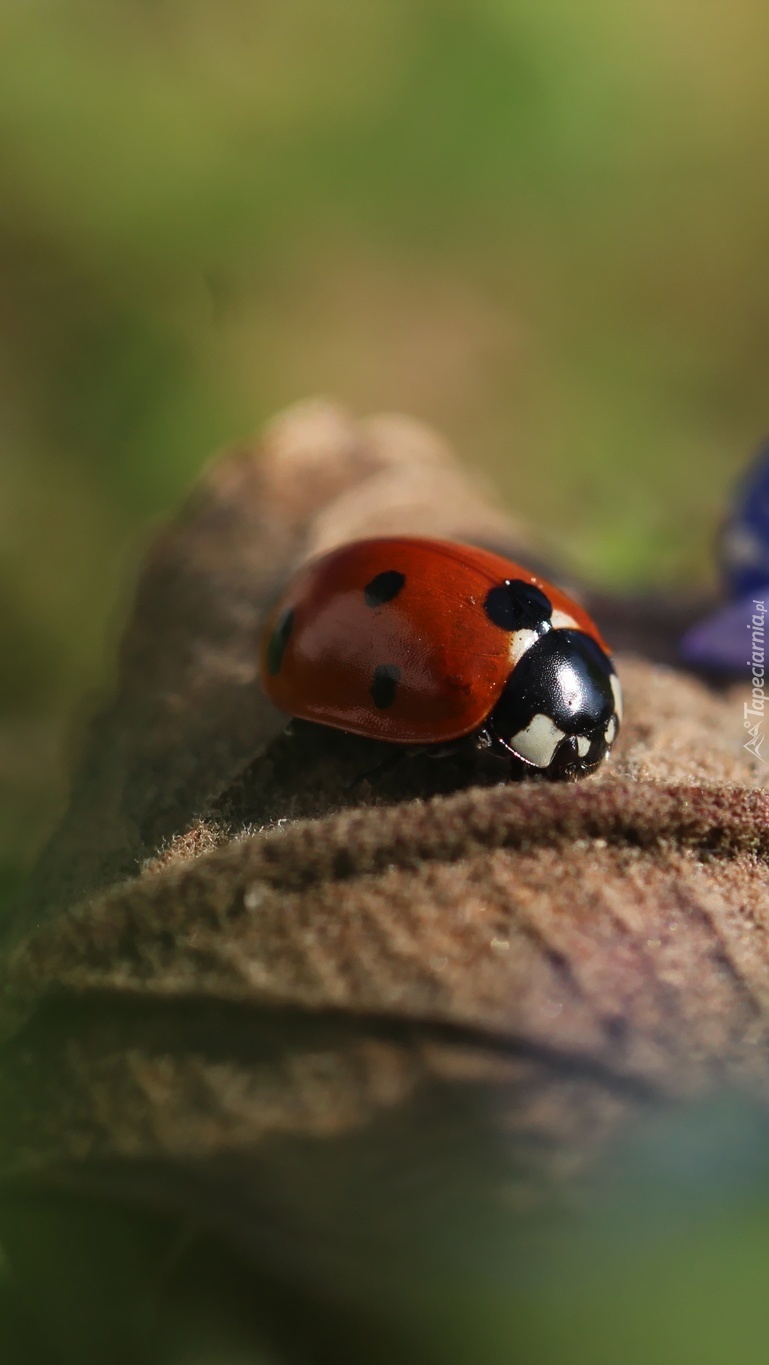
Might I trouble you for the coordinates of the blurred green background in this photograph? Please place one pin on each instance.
(541, 226)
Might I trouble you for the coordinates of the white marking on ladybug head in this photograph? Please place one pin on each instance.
(538, 742)
(617, 690)
(611, 731)
(560, 620)
(583, 745)
(520, 642)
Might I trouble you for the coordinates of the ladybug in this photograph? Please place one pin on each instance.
(431, 643)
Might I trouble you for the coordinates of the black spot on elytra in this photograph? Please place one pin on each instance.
(384, 684)
(515, 605)
(384, 587)
(278, 641)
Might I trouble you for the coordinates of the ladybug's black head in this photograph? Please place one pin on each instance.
(560, 708)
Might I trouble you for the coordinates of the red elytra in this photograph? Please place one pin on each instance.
(408, 612)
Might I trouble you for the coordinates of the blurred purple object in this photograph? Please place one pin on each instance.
(724, 641)
(744, 539)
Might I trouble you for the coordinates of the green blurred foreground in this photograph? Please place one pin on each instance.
(665, 1262)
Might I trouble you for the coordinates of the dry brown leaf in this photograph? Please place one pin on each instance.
(234, 963)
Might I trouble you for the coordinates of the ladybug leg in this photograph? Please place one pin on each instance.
(488, 745)
(487, 741)
(404, 754)
(485, 747)
(386, 766)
